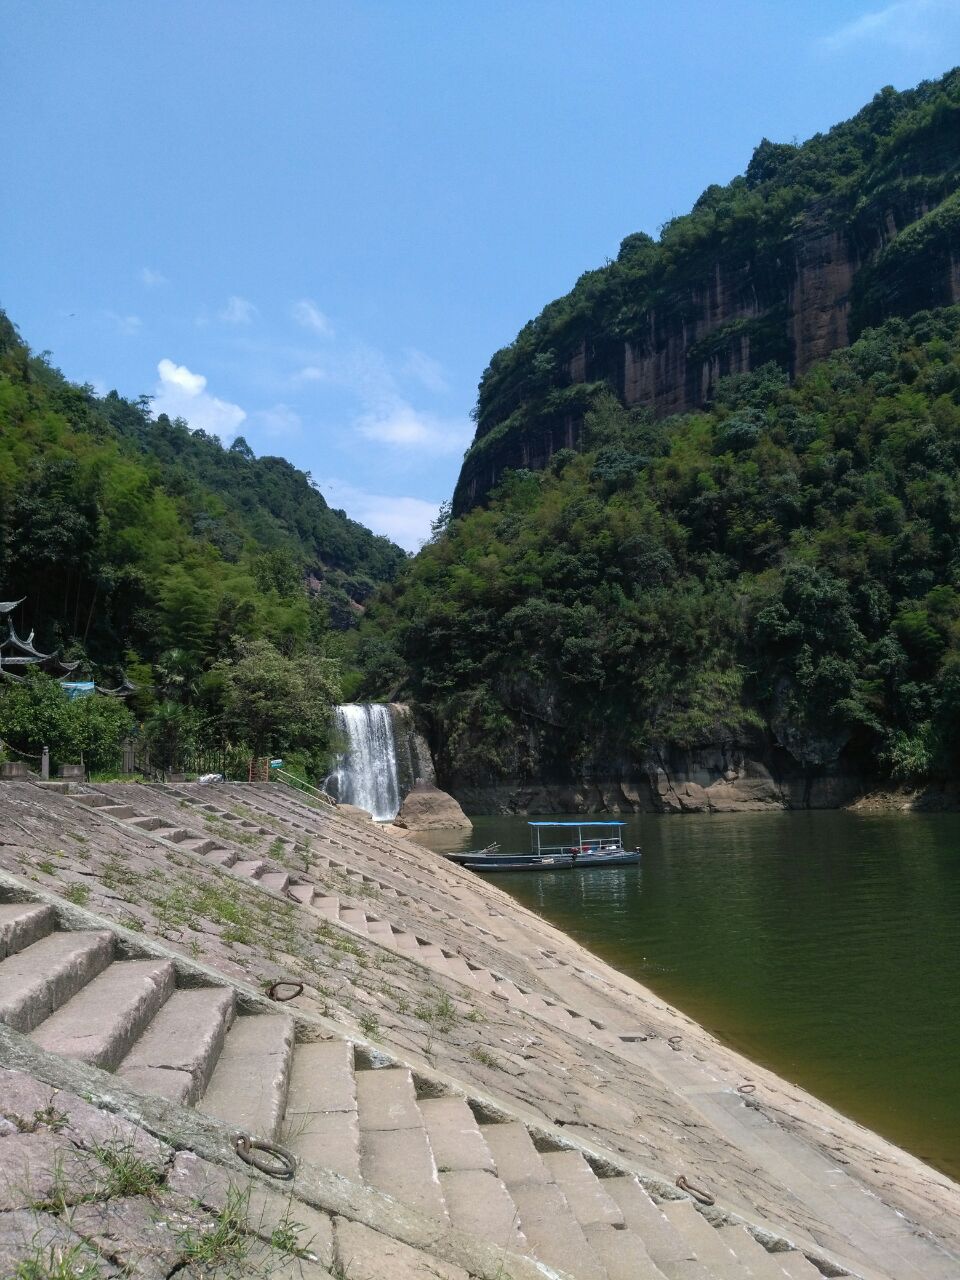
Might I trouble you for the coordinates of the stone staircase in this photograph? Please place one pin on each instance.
(362, 883)
(94, 995)
(348, 914)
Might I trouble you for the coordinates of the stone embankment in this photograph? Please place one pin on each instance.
(459, 1090)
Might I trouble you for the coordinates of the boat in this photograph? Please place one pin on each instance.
(583, 844)
(469, 855)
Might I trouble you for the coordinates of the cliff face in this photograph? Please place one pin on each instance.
(755, 273)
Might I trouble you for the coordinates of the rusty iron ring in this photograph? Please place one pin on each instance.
(284, 982)
(747, 1087)
(703, 1196)
(675, 1042)
(247, 1148)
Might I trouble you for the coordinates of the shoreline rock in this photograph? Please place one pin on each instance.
(427, 808)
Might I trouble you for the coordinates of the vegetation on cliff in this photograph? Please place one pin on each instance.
(146, 548)
(782, 568)
(718, 290)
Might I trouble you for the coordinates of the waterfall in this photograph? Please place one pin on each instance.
(366, 773)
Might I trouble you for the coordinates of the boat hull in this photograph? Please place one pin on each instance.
(560, 862)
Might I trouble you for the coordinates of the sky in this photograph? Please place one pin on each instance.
(312, 223)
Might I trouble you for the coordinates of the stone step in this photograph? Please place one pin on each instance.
(455, 1136)
(94, 800)
(198, 844)
(482, 979)
(176, 835)
(22, 924)
(248, 1088)
(379, 929)
(760, 1264)
(328, 907)
(477, 1201)
(101, 1023)
(279, 881)
(222, 857)
(147, 823)
(406, 942)
(321, 1123)
(797, 1267)
(36, 981)
(458, 968)
(711, 1250)
(622, 1253)
(552, 1231)
(387, 1099)
(176, 1055)
(509, 991)
(252, 868)
(583, 1189)
(395, 1152)
(304, 893)
(400, 1163)
(354, 917)
(516, 1158)
(121, 811)
(665, 1245)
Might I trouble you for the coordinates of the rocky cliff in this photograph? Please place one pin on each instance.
(787, 263)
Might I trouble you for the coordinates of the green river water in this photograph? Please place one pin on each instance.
(825, 946)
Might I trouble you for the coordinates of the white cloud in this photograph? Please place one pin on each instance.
(426, 370)
(237, 311)
(281, 420)
(183, 394)
(407, 428)
(152, 279)
(905, 24)
(403, 520)
(311, 373)
(129, 326)
(309, 315)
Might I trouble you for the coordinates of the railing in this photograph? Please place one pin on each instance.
(292, 780)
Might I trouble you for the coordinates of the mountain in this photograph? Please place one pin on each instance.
(788, 262)
(753, 605)
(130, 536)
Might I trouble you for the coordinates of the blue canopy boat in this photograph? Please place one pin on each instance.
(585, 844)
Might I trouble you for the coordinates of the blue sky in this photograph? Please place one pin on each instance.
(312, 223)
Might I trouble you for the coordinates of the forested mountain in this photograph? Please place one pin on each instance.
(793, 259)
(779, 574)
(130, 537)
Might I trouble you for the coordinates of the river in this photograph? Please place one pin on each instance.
(825, 946)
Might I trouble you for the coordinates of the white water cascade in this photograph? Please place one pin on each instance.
(366, 773)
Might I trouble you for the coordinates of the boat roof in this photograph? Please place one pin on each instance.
(576, 824)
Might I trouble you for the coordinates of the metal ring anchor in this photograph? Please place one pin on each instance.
(272, 990)
(280, 1164)
(747, 1087)
(704, 1197)
(675, 1042)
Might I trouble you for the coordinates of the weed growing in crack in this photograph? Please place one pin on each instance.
(58, 1262)
(226, 1240)
(286, 1236)
(369, 1024)
(127, 1174)
(78, 894)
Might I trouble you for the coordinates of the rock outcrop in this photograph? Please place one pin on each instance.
(427, 808)
(720, 779)
(789, 262)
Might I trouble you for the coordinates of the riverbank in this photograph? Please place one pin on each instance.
(431, 975)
